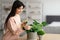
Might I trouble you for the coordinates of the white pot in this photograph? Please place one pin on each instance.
(32, 36)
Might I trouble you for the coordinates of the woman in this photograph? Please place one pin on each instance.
(13, 25)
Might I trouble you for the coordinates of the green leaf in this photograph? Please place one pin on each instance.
(41, 32)
(44, 23)
(35, 22)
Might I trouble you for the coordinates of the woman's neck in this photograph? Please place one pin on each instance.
(17, 14)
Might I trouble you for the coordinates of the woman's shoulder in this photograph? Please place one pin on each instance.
(11, 18)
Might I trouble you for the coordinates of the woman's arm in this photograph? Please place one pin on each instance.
(13, 27)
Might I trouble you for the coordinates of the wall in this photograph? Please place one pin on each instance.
(33, 5)
(51, 7)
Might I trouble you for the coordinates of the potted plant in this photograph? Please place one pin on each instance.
(32, 33)
(36, 28)
(41, 32)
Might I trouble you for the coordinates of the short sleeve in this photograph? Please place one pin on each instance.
(12, 25)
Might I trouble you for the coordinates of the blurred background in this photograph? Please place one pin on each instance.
(41, 10)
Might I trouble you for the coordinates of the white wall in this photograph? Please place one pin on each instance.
(51, 7)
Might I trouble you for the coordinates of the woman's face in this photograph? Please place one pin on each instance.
(19, 10)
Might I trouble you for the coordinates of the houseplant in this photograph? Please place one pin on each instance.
(36, 28)
(32, 33)
(41, 32)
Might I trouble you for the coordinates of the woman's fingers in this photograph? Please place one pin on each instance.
(27, 27)
(24, 24)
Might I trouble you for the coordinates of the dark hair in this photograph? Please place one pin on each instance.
(15, 5)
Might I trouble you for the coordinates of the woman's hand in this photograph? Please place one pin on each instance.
(27, 27)
(23, 24)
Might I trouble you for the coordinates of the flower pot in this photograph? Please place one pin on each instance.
(32, 36)
(40, 37)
